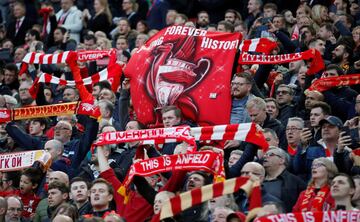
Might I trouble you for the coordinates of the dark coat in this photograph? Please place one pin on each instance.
(291, 184)
(18, 38)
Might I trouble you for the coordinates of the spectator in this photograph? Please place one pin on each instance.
(342, 189)
(102, 19)
(101, 194)
(10, 80)
(272, 107)
(256, 172)
(79, 193)
(224, 26)
(14, 209)
(58, 193)
(232, 16)
(284, 97)
(278, 181)
(254, 11)
(256, 108)
(271, 137)
(220, 214)
(66, 209)
(69, 17)
(356, 197)
(326, 147)
(241, 85)
(293, 136)
(16, 29)
(3, 208)
(203, 20)
(323, 170)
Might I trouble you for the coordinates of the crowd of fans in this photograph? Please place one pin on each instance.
(310, 165)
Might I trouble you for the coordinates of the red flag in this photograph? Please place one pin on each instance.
(262, 45)
(187, 67)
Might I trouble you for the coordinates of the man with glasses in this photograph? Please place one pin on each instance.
(256, 172)
(279, 182)
(293, 134)
(284, 97)
(241, 86)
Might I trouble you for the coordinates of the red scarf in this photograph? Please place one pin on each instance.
(262, 45)
(324, 84)
(31, 112)
(291, 151)
(21, 160)
(312, 201)
(312, 216)
(208, 161)
(196, 196)
(313, 55)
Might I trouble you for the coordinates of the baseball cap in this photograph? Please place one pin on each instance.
(241, 216)
(333, 120)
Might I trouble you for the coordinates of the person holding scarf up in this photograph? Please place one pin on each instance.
(317, 195)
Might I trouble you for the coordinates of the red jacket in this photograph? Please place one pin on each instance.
(138, 209)
(30, 202)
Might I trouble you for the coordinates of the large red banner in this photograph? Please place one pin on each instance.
(186, 67)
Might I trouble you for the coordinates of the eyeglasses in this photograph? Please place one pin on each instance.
(317, 165)
(283, 92)
(292, 129)
(238, 83)
(271, 155)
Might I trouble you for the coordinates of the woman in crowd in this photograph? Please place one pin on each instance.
(102, 19)
(317, 195)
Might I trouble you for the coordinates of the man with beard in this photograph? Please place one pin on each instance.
(241, 86)
(203, 20)
(70, 94)
(341, 56)
(79, 193)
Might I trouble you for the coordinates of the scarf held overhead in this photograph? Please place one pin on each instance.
(261, 45)
(207, 161)
(324, 84)
(81, 56)
(196, 196)
(317, 63)
(83, 108)
(244, 132)
(21, 160)
(319, 216)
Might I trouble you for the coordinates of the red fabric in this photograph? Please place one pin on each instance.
(261, 45)
(291, 150)
(324, 84)
(319, 216)
(83, 92)
(30, 202)
(317, 63)
(175, 67)
(310, 201)
(137, 208)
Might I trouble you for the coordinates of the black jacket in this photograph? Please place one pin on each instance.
(290, 189)
(276, 125)
(18, 38)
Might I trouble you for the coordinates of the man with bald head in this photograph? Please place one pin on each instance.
(62, 218)
(256, 172)
(14, 209)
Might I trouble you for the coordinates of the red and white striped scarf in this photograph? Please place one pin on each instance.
(62, 57)
(262, 45)
(244, 132)
(196, 196)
